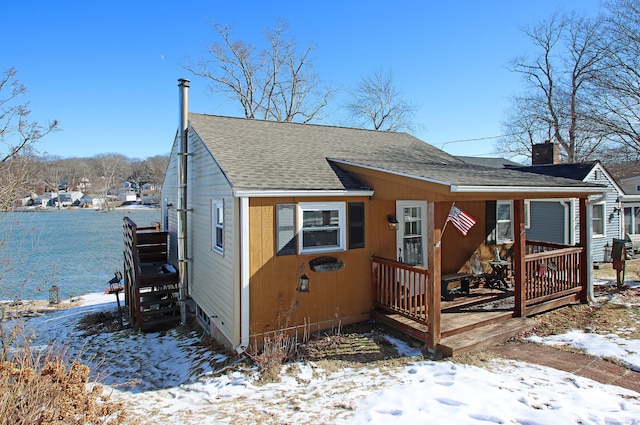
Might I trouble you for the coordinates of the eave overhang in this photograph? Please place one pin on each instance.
(453, 188)
(283, 193)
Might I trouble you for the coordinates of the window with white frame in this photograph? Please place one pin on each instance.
(597, 220)
(321, 227)
(527, 214)
(217, 225)
(504, 222)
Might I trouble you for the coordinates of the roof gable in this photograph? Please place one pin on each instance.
(581, 171)
(575, 171)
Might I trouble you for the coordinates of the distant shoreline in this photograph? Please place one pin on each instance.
(96, 209)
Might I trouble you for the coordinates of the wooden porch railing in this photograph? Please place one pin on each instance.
(399, 288)
(552, 271)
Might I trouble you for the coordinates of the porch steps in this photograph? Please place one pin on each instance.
(481, 337)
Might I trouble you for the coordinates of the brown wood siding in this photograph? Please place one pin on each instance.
(343, 296)
(391, 186)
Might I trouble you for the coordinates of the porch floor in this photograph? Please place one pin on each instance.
(468, 322)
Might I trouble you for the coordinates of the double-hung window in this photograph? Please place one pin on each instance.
(321, 227)
(504, 222)
(597, 220)
(217, 225)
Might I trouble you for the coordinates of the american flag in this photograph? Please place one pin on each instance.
(463, 221)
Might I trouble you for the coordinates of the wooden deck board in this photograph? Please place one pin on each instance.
(455, 323)
(484, 336)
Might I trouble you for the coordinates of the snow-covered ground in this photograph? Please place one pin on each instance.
(177, 383)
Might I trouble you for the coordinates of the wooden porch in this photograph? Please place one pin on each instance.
(151, 287)
(409, 299)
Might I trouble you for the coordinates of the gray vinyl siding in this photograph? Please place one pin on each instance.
(548, 222)
(214, 279)
(169, 194)
(611, 227)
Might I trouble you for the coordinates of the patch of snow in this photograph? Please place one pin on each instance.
(180, 382)
(609, 345)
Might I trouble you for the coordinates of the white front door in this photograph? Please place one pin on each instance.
(412, 223)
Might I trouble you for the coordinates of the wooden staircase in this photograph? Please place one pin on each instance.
(485, 335)
(461, 332)
(151, 284)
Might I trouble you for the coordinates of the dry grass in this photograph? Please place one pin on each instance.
(47, 387)
(99, 322)
(50, 388)
(621, 319)
(632, 271)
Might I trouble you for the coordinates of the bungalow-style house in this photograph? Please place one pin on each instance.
(127, 194)
(150, 197)
(307, 227)
(557, 220)
(631, 208)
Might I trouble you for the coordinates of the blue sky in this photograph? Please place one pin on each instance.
(108, 70)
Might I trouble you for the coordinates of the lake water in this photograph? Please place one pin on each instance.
(78, 250)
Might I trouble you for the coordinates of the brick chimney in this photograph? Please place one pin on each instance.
(545, 153)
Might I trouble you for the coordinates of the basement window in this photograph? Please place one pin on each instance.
(321, 226)
(217, 225)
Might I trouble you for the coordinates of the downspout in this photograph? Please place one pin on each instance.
(589, 236)
(244, 275)
(182, 196)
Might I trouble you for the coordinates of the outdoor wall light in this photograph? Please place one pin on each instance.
(393, 222)
(616, 210)
(303, 283)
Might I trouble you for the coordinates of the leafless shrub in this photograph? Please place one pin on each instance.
(277, 347)
(49, 386)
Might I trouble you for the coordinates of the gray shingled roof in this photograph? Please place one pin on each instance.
(268, 155)
(574, 171)
(489, 162)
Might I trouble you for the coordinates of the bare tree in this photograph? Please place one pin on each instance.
(18, 134)
(618, 86)
(558, 102)
(53, 175)
(277, 83)
(109, 168)
(377, 103)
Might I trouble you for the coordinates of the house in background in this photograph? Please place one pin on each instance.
(127, 194)
(338, 226)
(150, 197)
(557, 220)
(631, 208)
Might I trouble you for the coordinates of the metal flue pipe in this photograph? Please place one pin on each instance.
(183, 261)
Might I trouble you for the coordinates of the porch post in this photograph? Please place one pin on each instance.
(519, 253)
(433, 286)
(585, 264)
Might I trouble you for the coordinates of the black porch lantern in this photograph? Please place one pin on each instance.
(303, 283)
(393, 222)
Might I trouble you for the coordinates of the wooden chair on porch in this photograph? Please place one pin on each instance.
(495, 279)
